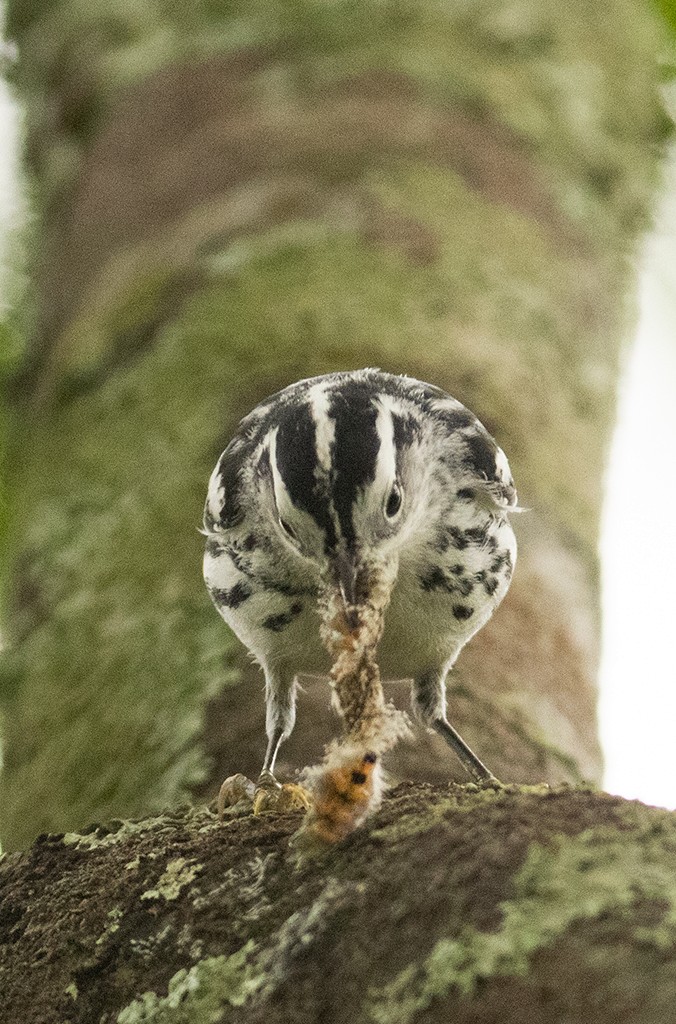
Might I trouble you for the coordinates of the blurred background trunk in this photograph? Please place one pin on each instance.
(229, 198)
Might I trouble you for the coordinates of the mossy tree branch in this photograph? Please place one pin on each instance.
(452, 903)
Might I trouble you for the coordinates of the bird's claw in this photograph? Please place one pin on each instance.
(271, 796)
(492, 782)
(267, 795)
(235, 790)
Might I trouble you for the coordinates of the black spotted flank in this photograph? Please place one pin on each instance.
(241, 562)
(231, 598)
(436, 579)
(477, 534)
(277, 623)
(457, 569)
(458, 538)
(489, 583)
(442, 541)
(502, 561)
(461, 539)
(462, 612)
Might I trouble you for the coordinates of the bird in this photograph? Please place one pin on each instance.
(326, 488)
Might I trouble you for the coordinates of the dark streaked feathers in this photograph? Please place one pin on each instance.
(481, 452)
(232, 461)
(232, 597)
(279, 622)
(356, 448)
(296, 454)
(462, 612)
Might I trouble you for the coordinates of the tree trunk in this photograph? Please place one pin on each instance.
(231, 200)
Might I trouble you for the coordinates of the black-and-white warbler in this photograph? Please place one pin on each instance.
(336, 478)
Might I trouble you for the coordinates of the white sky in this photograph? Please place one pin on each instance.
(638, 548)
(638, 675)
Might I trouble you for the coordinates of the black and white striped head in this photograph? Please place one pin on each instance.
(338, 469)
(346, 466)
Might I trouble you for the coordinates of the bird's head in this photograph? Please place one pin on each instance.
(357, 475)
(349, 472)
(348, 485)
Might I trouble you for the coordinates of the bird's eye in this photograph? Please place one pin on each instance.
(288, 530)
(393, 503)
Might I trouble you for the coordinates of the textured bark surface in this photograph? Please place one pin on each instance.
(229, 200)
(454, 903)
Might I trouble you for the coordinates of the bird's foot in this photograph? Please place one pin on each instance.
(266, 795)
(236, 789)
(491, 782)
(270, 795)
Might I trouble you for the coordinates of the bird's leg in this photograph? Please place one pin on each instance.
(268, 789)
(472, 764)
(280, 718)
(274, 743)
(268, 794)
(429, 705)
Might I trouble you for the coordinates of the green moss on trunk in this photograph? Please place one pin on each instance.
(231, 200)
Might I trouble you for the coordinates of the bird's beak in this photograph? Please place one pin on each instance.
(347, 573)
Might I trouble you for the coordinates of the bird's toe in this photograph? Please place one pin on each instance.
(295, 797)
(235, 790)
(280, 798)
